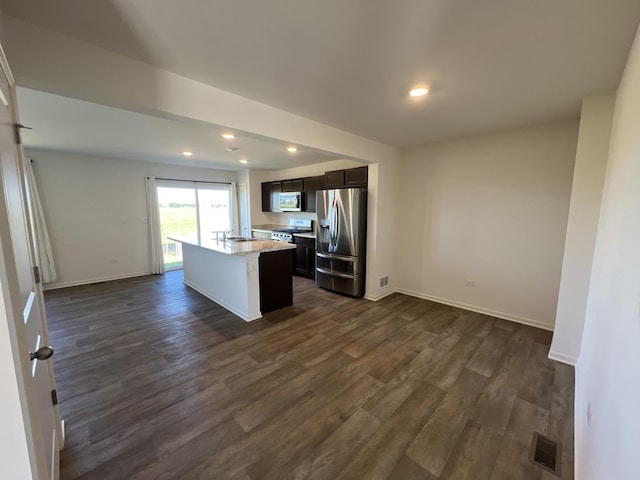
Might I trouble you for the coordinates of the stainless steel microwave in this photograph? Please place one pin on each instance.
(291, 202)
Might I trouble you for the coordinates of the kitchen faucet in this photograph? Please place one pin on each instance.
(225, 233)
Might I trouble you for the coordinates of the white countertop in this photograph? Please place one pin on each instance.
(268, 228)
(237, 248)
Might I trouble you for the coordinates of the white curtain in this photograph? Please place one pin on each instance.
(233, 209)
(155, 234)
(43, 250)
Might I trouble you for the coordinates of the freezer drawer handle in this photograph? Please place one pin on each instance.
(334, 274)
(335, 257)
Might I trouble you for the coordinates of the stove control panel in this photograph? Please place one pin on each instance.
(282, 237)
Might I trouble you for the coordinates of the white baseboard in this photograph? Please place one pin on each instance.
(233, 310)
(64, 434)
(486, 311)
(380, 296)
(77, 283)
(562, 358)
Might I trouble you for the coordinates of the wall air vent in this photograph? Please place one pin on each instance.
(545, 453)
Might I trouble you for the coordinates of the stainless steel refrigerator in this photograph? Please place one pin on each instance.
(341, 240)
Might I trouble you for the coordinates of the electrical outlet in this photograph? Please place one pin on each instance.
(386, 281)
(470, 283)
(382, 281)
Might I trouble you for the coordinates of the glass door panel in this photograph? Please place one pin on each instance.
(213, 209)
(178, 217)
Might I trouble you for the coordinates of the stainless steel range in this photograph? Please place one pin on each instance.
(296, 225)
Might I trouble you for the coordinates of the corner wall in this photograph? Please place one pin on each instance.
(607, 422)
(584, 211)
(96, 212)
(490, 209)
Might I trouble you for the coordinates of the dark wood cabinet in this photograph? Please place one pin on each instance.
(295, 185)
(305, 262)
(352, 177)
(356, 177)
(310, 186)
(266, 197)
(271, 196)
(334, 179)
(276, 283)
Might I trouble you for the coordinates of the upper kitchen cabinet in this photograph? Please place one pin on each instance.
(334, 179)
(310, 186)
(356, 177)
(271, 196)
(295, 185)
(352, 177)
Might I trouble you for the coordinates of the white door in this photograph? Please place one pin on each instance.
(35, 377)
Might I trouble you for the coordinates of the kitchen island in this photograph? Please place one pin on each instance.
(248, 278)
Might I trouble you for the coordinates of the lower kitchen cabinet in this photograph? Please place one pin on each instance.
(305, 264)
(276, 287)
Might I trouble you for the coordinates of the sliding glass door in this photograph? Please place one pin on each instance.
(194, 210)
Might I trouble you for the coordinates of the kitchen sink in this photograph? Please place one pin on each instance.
(240, 239)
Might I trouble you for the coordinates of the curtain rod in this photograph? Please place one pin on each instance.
(190, 181)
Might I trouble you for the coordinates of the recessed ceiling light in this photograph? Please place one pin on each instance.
(292, 149)
(228, 136)
(232, 149)
(243, 160)
(418, 91)
(187, 153)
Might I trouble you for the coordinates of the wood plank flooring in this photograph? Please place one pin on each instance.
(157, 382)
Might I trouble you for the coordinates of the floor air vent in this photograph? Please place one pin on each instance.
(545, 453)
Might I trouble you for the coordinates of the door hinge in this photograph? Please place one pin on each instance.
(36, 274)
(54, 397)
(17, 127)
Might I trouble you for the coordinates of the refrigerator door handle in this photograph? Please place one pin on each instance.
(332, 223)
(334, 274)
(333, 256)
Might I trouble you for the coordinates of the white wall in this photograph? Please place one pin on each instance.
(584, 211)
(96, 212)
(490, 209)
(608, 370)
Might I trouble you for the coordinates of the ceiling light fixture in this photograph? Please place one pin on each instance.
(232, 149)
(243, 160)
(418, 91)
(292, 149)
(187, 153)
(228, 136)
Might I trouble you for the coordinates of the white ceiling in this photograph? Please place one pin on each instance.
(67, 124)
(491, 64)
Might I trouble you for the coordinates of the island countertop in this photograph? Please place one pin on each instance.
(268, 228)
(236, 248)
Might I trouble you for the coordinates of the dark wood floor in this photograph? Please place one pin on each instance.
(155, 381)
